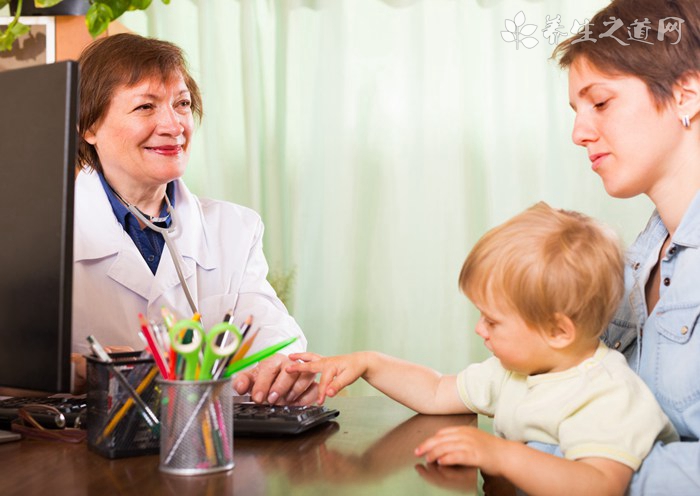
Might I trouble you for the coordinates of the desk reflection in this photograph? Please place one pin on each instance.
(368, 451)
(364, 451)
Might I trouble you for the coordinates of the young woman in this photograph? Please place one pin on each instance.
(637, 101)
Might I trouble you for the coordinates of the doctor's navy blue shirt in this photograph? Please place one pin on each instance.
(149, 242)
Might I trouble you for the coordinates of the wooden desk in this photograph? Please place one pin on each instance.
(368, 450)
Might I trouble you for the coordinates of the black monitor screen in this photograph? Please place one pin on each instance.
(38, 111)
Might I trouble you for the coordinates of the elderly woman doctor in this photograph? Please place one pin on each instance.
(137, 112)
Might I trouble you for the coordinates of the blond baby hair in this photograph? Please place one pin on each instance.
(544, 262)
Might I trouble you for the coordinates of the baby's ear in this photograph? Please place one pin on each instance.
(562, 332)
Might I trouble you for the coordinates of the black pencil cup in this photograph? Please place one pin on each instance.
(116, 427)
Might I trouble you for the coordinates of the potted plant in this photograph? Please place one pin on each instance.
(98, 14)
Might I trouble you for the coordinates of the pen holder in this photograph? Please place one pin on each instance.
(196, 426)
(115, 425)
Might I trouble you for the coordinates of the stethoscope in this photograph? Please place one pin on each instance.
(166, 232)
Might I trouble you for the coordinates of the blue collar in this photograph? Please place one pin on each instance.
(122, 213)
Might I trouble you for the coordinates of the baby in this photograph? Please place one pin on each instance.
(546, 283)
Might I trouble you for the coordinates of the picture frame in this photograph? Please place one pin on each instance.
(36, 47)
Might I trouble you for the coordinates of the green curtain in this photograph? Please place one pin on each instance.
(379, 140)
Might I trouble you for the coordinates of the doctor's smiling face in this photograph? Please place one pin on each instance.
(143, 139)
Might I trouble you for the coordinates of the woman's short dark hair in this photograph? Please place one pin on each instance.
(124, 59)
(660, 64)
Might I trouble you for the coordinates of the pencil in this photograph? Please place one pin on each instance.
(146, 412)
(207, 438)
(240, 352)
(127, 405)
(256, 357)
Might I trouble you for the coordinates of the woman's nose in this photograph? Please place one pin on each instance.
(169, 122)
(584, 132)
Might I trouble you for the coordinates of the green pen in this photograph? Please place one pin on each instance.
(256, 357)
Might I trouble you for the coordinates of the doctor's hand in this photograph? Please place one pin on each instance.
(269, 381)
(80, 367)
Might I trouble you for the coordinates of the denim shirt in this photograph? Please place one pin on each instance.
(664, 347)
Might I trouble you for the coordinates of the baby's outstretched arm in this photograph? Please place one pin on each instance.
(415, 386)
(533, 471)
(337, 372)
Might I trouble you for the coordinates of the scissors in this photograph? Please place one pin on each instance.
(212, 351)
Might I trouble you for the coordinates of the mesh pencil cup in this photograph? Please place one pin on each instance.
(196, 426)
(116, 427)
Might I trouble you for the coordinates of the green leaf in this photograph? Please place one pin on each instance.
(140, 4)
(8, 37)
(43, 4)
(166, 2)
(6, 42)
(98, 18)
(118, 7)
(3, 3)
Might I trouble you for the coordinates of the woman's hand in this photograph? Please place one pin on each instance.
(270, 380)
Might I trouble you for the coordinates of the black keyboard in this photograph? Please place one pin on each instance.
(249, 419)
(252, 419)
(73, 411)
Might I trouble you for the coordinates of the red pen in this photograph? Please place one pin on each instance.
(172, 355)
(162, 367)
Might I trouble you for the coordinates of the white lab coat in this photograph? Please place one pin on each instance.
(224, 267)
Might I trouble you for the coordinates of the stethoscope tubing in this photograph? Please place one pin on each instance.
(174, 252)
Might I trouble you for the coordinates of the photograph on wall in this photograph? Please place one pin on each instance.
(36, 47)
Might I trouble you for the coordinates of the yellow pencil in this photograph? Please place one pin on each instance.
(127, 405)
(208, 443)
(241, 352)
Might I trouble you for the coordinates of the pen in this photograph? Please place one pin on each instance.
(169, 320)
(125, 407)
(222, 428)
(154, 347)
(221, 339)
(216, 434)
(256, 357)
(146, 412)
(246, 327)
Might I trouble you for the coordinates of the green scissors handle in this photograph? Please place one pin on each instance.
(214, 352)
(188, 351)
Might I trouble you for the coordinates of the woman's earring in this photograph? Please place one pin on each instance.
(685, 120)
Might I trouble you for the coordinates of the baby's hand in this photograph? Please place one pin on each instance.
(463, 445)
(336, 372)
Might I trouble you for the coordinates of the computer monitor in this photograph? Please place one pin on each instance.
(38, 138)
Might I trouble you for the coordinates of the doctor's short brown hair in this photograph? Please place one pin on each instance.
(124, 59)
(545, 262)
